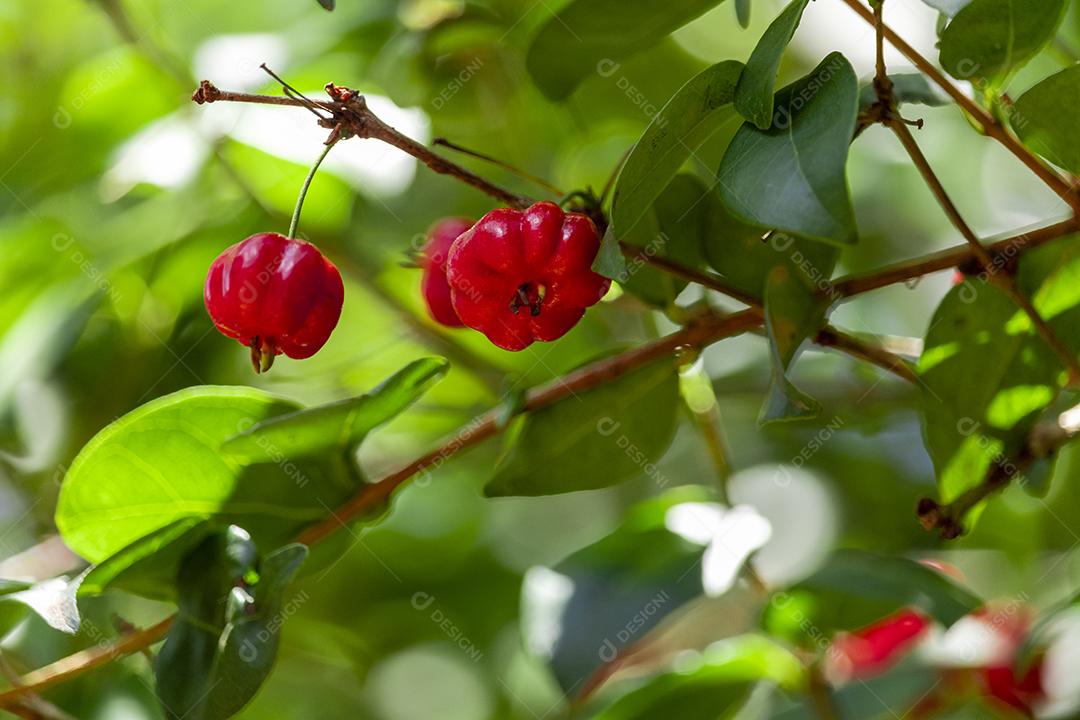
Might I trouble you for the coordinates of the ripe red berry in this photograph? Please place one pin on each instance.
(275, 295)
(434, 286)
(875, 648)
(519, 276)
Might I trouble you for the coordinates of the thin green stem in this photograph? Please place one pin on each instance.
(304, 190)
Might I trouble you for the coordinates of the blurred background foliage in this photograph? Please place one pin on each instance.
(116, 192)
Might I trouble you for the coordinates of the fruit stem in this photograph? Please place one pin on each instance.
(304, 189)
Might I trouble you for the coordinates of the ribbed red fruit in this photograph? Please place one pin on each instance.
(520, 276)
(275, 295)
(433, 285)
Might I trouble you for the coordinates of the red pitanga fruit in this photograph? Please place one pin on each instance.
(275, 295)
(433, 285)
(520, 276)
(875, 648)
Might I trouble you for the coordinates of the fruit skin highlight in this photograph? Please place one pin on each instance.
(521, 276)
(275, 295)
(433, 285)
(872, 650)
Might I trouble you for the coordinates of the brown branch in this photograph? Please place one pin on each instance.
(990, 126)
(867, 352)
(80, 662)
(354, 115)
(1004, 279)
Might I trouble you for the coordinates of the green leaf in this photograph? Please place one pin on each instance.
(745, 255)
(147, 566)
(792, 176)
(223, 643)
(754, 94)
(711, 684)
(588, 37)
(855, 588)
(328, 4)
(641, 573)
(595, 438)
(673, 229)
(340, 425)
(904, 686)
(986, 374)
(908, 89)
(163, 462)
(250, 642)
(1043, 119)
(695, 112)
(742, 13)
(989, 39)
(793, 315)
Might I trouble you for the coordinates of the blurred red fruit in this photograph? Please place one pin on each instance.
(433, 285)
(875, 648)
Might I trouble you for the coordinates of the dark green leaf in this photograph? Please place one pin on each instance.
(1044, 120)
(989, 39)
(754, 94)
(608, 595)
(340, 425)
(793, 315)
(745, 254)
(590, 37)
(742, 13)
(716, 683)
(792, 176)
(250, 642)
(696, 111)
(673, 229)
(595, 438)
(223, 644)
(876, 698)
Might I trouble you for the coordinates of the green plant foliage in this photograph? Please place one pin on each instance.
(792, 176)
(714, 685)
(1038, 119)
(989, 39)
(694, 113)
(754, 94)
(593, 36)
(222, 646)
(855, 588)
(593, 439)
(340, 425)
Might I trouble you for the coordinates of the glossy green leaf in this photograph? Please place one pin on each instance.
(250, 642)
(989, 39)
(1043, 120)
(754, 93)
(589, 37)
(162, 463)
(695, 112)
(986, 374)
(595, 438)
(793, 315)
(609, 595)
(339, 425)
(792, 176)
(711, 684)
